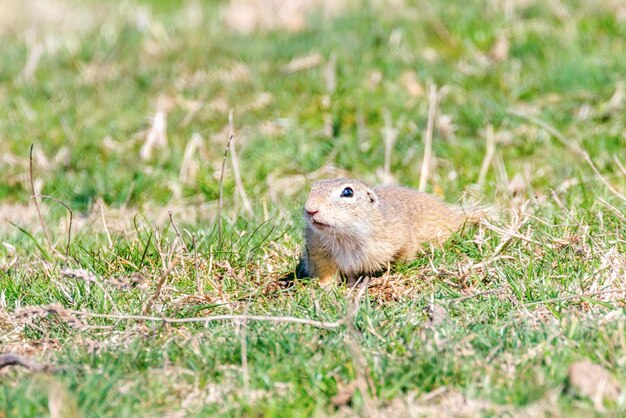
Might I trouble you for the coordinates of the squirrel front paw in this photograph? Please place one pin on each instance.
(328, 282)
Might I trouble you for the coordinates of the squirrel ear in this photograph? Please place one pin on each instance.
(372, 196)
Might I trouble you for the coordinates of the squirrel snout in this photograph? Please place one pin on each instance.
(311, 207)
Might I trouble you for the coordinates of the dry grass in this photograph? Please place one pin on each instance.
(149, 312)
(247, 16)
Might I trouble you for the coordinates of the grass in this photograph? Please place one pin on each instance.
(519, 301)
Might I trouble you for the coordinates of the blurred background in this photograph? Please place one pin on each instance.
(127, 102)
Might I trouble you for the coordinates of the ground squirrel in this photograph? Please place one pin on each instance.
(353, 230)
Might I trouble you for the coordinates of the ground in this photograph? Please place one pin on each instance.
(145, 280)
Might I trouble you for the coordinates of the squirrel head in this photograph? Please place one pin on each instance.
(340, 206)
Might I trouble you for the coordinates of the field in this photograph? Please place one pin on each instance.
(148, 276)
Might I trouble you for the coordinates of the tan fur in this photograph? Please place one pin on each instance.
(360, 235)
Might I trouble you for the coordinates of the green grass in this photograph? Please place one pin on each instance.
(512, 325)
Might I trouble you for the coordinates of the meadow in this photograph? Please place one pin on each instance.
(155, 156)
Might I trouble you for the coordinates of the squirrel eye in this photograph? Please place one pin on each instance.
(347, 192)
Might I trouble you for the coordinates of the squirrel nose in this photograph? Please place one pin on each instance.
(311, 212)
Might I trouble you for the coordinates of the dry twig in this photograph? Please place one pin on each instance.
(473, 295)
(104, 224)
(433, 98)
(179, 236)
(157, 291)
(10, 359)
(491, 149)
(581, 296)
(35, 195)
(207, 319)
(330, 73)
(612, 208)
(231, 135)
(235, 161)
(195, 264)
(620, 165)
